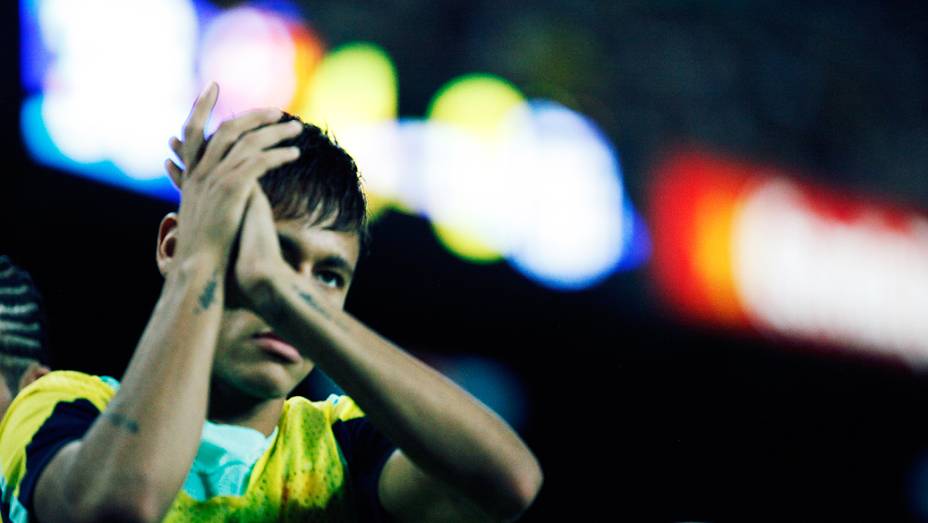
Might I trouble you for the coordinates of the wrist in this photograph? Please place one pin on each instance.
(196, 265)
(263, 288)
(193, 268)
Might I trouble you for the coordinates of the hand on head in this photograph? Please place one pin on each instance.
(221, 200)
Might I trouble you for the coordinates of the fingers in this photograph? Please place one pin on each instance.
(256, 165)
(175, 172)
(258, 229)
(260, 200)
(261, 139)
(177, 147)
(230, 131)
(196, 124)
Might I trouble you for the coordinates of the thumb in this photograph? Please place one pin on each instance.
(258, 231)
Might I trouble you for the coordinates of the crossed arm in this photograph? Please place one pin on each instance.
(457, 461)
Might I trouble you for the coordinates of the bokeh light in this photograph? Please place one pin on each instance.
(92, 81)
(251, 55)
(464, 151)
(742, 245)
(572, 231)
(354, 84)
(478, 103)
(500, 178)
(308, 52)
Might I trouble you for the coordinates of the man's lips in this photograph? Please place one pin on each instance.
(271, 343)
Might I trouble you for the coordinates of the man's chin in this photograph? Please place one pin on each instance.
(266, 382)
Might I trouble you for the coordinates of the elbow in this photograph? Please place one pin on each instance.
(529, 486)
(520, 491)
(118, 511)
(130, 505)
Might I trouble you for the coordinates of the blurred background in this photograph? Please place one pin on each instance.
(679, 245)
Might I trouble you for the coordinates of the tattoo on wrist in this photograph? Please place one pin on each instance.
(121, 421)
(308, 298)
(208, 295)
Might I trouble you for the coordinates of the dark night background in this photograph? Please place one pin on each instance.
(634, 415)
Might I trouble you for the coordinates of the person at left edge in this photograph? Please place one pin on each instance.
(23, 339)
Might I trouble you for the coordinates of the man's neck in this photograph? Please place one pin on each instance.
(234, 408)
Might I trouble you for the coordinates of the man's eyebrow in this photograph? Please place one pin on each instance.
(337, 262)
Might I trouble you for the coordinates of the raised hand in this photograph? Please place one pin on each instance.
(188, 150)
(215, 187)
(259, 255)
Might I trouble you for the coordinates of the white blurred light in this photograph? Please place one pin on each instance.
(120, 78)
(541, 188)
(548, 197)
(863, 284)
(251, 54)
(378, 152)
(567, 199)
(464, 187)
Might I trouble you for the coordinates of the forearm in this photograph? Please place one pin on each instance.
(440, 427)
(144, 442)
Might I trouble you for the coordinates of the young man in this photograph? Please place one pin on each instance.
(22, 332)
(257, 264)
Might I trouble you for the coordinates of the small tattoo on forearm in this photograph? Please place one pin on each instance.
(208, 294)
(122, 421)
(308, 298)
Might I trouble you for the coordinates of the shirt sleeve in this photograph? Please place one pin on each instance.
(366, 451)
(52, 412)
(68, 422)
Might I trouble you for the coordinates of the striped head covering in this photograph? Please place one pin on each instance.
(22, 315)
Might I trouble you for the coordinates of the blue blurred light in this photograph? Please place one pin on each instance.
(279, 7)
(33, 56)
(107, 83)
(583, 226)
(636, 239)
(43, 150)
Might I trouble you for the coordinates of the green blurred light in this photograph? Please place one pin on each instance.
(354, 84)
(478, 103)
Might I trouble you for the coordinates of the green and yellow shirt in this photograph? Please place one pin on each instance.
(322, 463)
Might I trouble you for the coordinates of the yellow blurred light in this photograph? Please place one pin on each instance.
(464, 243)
(377, 205)
(713, 257)
(354, 84)
(309, 50)
(478, 103)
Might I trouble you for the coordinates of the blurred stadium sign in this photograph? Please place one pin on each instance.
(743, 245)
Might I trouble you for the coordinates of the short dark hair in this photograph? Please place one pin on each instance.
(323, 184)
(23, 338)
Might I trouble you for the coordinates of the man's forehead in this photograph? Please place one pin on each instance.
(320, 240)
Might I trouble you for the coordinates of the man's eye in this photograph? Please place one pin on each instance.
(331, 279)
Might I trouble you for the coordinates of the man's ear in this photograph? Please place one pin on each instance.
(167, 242)
(34, 371)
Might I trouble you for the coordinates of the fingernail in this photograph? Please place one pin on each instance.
(209, 88)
